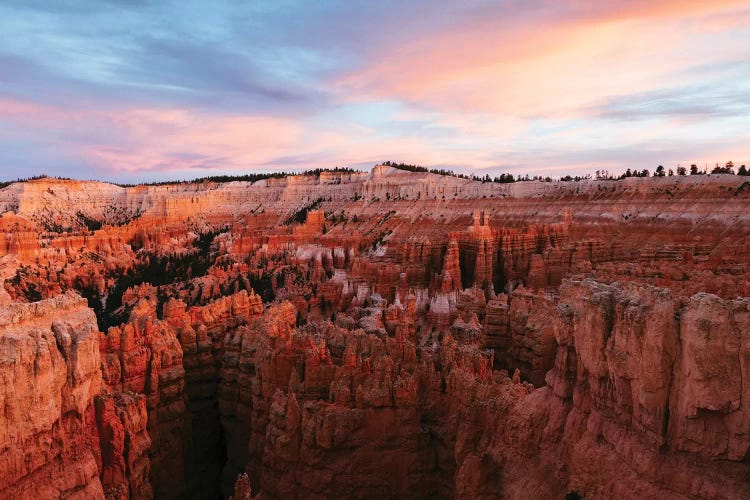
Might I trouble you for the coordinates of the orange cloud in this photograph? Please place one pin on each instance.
(547, 67)
(616, 10)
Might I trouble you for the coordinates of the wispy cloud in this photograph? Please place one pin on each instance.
(156, 89)
(683, 103)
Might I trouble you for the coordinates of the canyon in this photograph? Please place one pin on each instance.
(383, 334)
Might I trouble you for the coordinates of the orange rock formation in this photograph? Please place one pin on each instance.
(382, 335)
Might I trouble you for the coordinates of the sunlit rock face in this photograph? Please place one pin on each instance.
(375, 335)
(50, 368)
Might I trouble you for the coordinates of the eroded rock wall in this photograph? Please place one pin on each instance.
(49, 369)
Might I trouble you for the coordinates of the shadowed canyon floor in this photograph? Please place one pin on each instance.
(376, 335)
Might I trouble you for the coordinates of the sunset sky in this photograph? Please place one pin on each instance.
(139, 90)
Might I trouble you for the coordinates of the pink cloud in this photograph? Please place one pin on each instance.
(549, 66)
(181, 140)
(128, 140)
(177, 139)
(29, 112)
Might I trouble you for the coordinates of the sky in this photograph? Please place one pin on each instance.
(141, 91)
